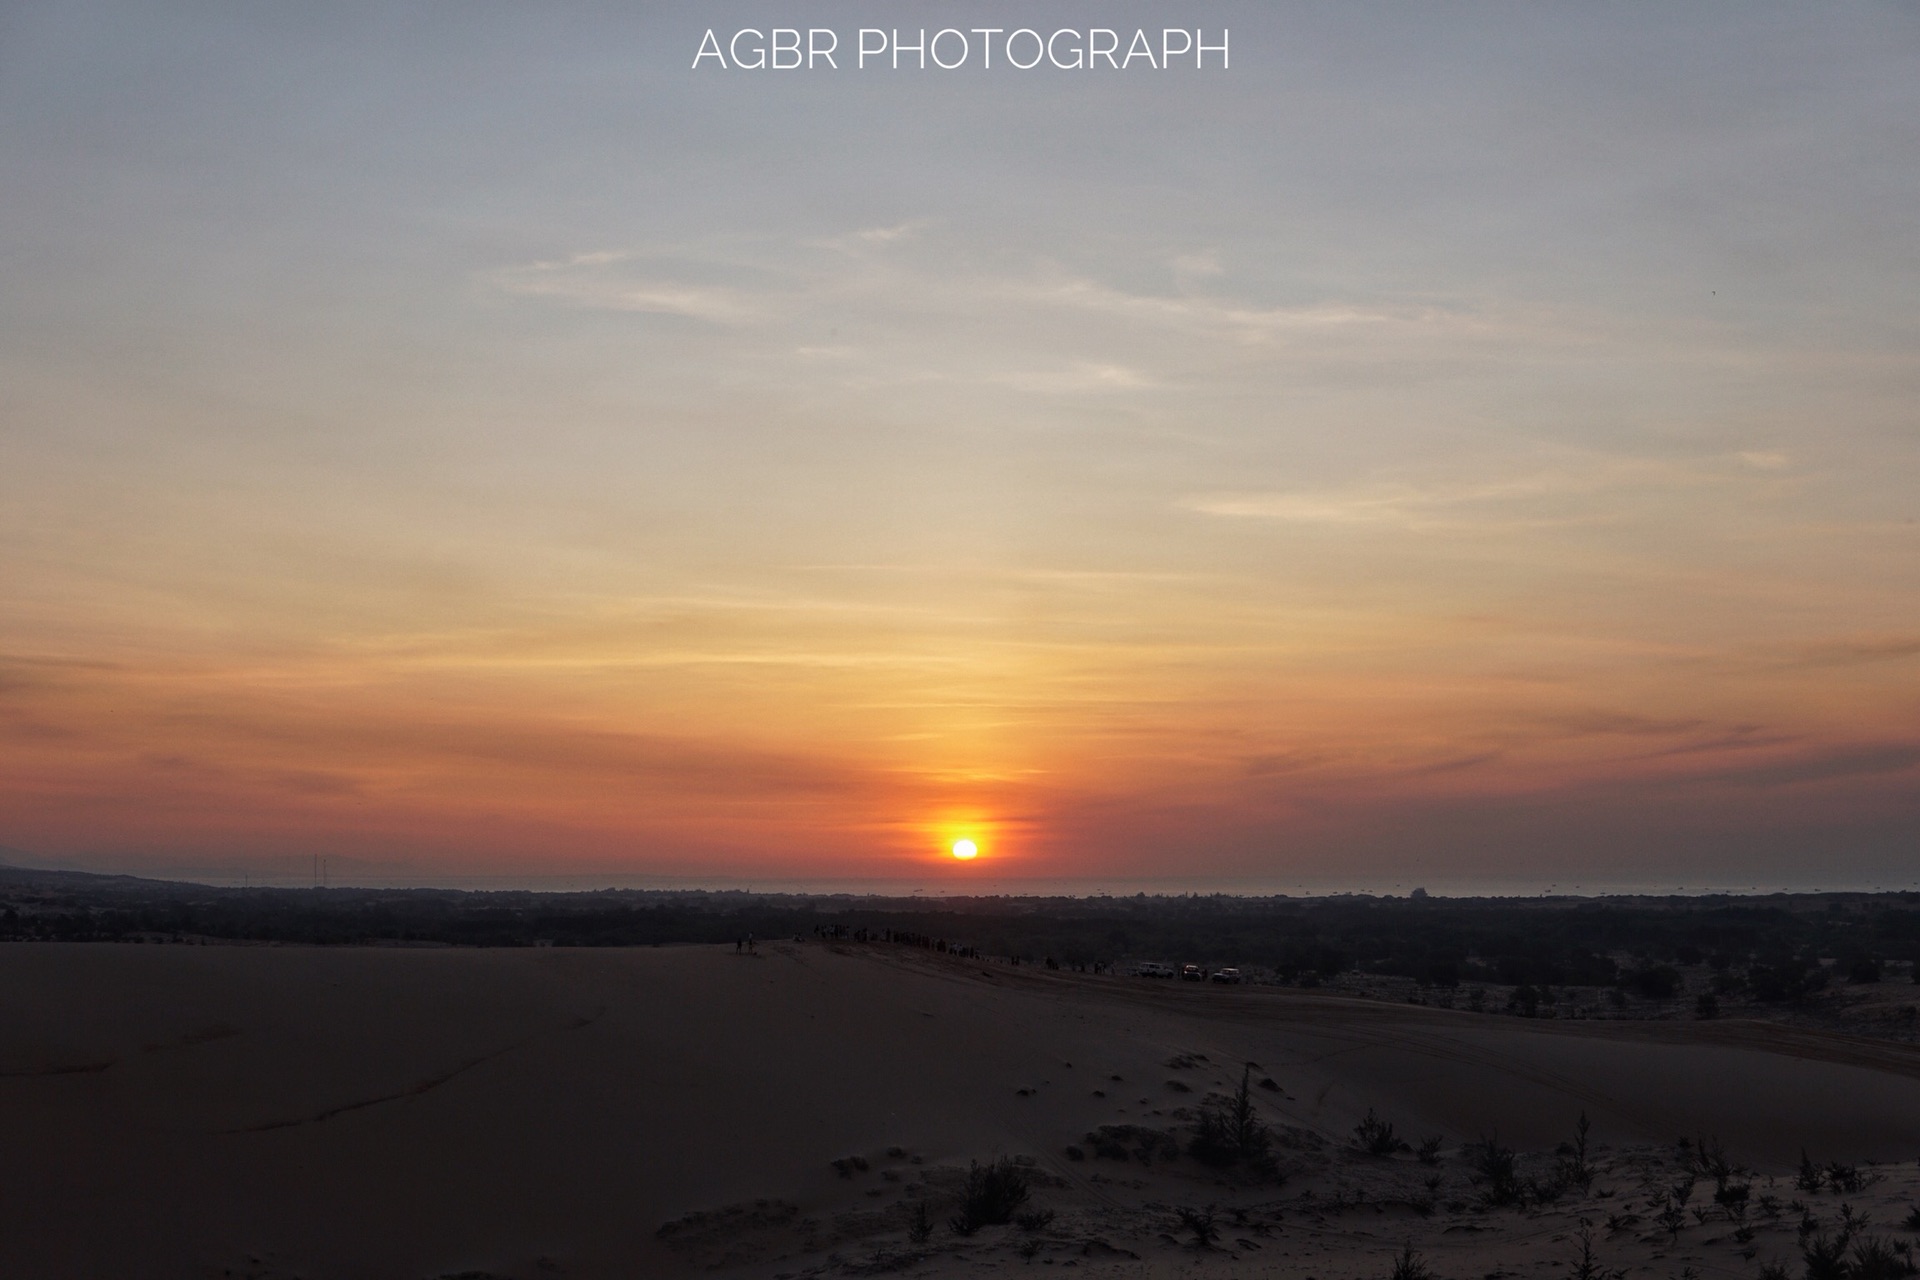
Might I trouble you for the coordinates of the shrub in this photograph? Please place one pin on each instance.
(1376, 1136)
(1825, 1256)
(920, 1224)
(990, 1196)
(1035, 1220)
(1809, 1177)
(1410, 1266)
(1200, 1223)
(1429, 1152)
(1708, 1159)
(1875, 1259)
(1128, 1141)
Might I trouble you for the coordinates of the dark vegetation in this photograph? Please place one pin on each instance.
(1496, 1171)
(1229, 1131)
(1376, 1137)
(991, 1196)
(1133, 1142)
(1200, 1223)
(1851, 1254)
(1499, 1172)
(1586, 1263)
(1765, 949)
(1410, 1266)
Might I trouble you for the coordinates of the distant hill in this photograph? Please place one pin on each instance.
(14, 872)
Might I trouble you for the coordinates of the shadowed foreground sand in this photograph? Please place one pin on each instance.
(266, 1111)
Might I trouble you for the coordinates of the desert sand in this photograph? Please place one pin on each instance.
(176, 1111)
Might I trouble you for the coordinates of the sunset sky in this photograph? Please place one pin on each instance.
(1456, 442)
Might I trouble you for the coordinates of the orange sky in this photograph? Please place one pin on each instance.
(499, 450)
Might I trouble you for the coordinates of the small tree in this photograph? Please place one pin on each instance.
(1499, 1170)
(1230, 1131)
(1585, 1265)
(1575, 1168)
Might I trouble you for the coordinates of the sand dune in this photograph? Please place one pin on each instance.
(191, 1111)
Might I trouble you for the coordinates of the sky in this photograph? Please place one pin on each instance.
(1451, 442)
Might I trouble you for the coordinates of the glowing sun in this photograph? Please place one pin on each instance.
(965, 850)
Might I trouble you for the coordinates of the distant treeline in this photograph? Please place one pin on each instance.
(1773, 945)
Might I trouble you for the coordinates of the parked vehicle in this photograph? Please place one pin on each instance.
(1192, 973)
(1152, 969)
(1228, 975)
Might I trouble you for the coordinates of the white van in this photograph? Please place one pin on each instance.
(1151, 969)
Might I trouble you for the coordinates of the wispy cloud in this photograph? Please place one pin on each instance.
(1082, 377)
(898, 231)
(1853, 652)
(1230, 318)
(917, 299)
(607, 280)
(1545, 497)
(1396, 504)
(1842, 762)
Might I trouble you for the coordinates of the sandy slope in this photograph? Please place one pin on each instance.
(192, 1111)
